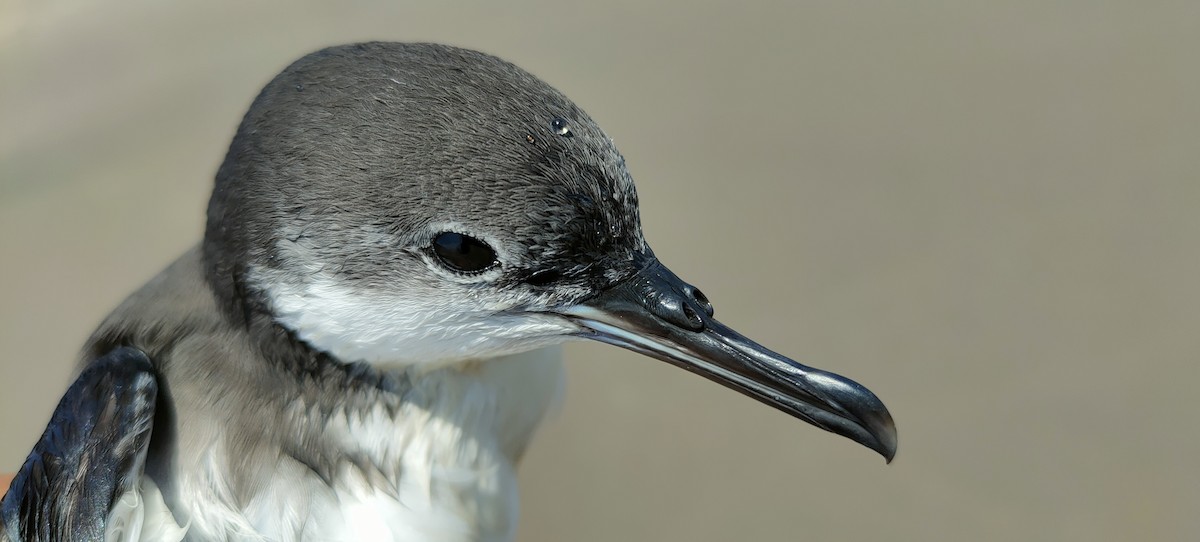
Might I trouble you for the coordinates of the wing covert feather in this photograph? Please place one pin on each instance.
(92, 452)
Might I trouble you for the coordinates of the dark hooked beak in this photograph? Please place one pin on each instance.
(657, 314)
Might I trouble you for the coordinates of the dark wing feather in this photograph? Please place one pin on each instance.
(93, 450)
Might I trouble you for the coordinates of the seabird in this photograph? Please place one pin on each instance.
(366, 339)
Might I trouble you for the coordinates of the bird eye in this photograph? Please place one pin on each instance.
(463, 253)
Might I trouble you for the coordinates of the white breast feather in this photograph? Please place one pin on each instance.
(140, 515)
(453, 446)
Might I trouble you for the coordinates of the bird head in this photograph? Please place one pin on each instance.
(419, 205)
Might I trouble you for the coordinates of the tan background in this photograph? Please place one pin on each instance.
(987, 212)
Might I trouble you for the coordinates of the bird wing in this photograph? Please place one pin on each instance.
(89, 460)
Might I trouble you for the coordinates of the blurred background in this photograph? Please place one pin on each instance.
(986, 212)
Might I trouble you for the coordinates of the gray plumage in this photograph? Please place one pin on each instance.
(322, 372)
(403, 127)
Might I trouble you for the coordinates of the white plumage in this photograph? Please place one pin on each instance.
(456, 445)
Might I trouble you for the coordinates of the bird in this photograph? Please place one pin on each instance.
(398, 241)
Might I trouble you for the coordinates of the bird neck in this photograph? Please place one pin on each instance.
(326, 433)
(502, 400)
(444, 455)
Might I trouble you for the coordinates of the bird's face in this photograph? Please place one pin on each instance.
(423, 207)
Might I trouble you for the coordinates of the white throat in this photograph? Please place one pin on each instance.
(454, 446)
(442, 457)
(406, 326)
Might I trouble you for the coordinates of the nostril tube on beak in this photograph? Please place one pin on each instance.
(676, 309)
(701, 299)
(664, 295)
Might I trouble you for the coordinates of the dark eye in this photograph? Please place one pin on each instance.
(462, 253)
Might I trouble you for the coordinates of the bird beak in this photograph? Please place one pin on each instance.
(656, 313)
